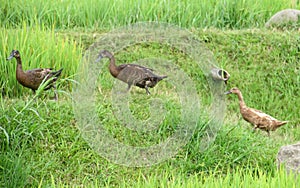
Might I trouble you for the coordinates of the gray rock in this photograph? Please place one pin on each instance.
(290, 156)
(286, 16)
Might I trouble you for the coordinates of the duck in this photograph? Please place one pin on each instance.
(32, 79)
(132, 74)
(259, 119)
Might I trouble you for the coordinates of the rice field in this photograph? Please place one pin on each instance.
(103, 15)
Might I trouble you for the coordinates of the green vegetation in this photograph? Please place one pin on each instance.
(41, 145)
(94, 14)
(39, 47)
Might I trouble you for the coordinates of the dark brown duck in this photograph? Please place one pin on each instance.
(256, 117)
(132, 74)
(33, 78)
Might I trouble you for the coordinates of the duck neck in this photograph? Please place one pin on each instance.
(241, 100)
(113, 68)
(19, 65)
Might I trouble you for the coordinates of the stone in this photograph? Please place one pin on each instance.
(290, 156)
(284, 17)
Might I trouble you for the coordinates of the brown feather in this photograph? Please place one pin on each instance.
(33, 78)
(256, 117)
(132, 74)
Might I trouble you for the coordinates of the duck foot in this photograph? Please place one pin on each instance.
(147, 91)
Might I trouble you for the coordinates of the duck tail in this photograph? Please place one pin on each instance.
(281, 123)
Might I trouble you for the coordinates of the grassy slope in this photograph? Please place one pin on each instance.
(46, 147)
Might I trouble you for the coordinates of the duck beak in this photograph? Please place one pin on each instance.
(10, 57)
(98, 59)
(227, 92)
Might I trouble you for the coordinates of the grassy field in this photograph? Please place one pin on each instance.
(40, 141)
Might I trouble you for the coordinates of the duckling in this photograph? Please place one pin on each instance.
(255, 117)
(33, 78)
(131, 74)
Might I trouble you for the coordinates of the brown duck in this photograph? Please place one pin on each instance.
(33, 78)
(257, 118)
(132, 74)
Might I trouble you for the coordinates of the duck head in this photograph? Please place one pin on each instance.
(233, 90)
(14, 53)
(103, 54)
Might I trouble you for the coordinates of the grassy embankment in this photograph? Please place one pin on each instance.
(41, 145)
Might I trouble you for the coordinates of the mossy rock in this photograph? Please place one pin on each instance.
(285, 19)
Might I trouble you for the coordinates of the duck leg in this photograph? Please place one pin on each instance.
(147, 90)
(129, 86)
(55, 92)
(255, 127)
(146, 87)
(33, 91)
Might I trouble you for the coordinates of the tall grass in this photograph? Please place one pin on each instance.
(237, 178)
(39, 48)
(94, 14)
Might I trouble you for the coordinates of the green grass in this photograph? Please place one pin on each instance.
(238, 178)
(47, 148)
(94, 14)
(41, 144)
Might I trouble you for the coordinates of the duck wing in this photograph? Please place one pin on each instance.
(35, 77)
(38, 74)
(258, 118)
(138, 75)
(136, 66)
